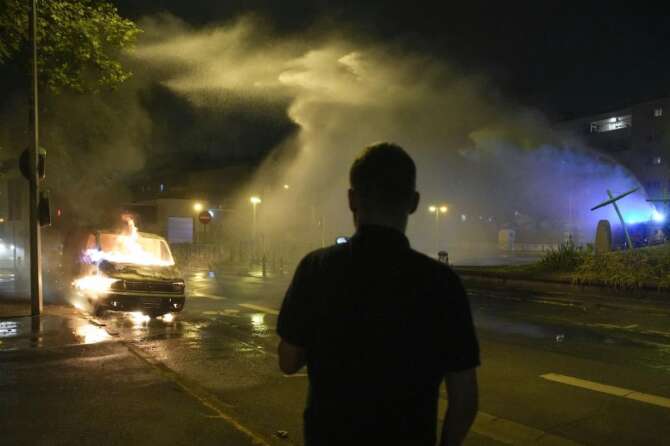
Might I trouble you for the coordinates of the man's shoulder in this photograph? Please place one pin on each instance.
(323, 256)
(439, 271)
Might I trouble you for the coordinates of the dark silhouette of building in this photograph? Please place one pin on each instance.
(637, 136)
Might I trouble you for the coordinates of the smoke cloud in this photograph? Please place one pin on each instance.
(495, 164)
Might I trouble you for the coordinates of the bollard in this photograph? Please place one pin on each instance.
(263, 261)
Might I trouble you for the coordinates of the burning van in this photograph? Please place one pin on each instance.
(128, 271)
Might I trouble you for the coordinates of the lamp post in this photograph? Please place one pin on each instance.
(437, 210)
(255, 201)
(197, 207)
(36, 301)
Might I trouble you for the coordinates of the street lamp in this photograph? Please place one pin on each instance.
(197, 206)
(437, 210)
(255, 201)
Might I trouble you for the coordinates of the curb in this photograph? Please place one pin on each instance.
(640, 300)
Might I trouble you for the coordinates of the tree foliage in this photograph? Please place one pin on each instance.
(79, 42)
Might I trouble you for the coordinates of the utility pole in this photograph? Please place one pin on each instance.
(36, 302)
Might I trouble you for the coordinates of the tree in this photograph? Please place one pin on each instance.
(79, 42)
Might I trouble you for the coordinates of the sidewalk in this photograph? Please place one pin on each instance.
(65, 381)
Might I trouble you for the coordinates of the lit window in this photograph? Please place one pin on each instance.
(657, 161)
(613, 123)
(658, 112)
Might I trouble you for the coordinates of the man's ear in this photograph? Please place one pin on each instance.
(353, 200)
(414, 204)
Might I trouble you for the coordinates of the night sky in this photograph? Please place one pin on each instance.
(564, 61)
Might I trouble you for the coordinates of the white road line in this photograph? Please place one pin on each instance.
(260, 308)
(208, 296)
(509, 432)
(610, 390)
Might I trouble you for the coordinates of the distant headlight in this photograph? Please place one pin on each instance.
(178, 285)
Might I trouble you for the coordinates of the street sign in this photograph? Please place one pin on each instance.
(205, 217)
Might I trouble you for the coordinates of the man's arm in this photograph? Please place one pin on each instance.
(294, 323)
(291, 357)
(462, 391)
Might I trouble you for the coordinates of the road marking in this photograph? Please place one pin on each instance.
(509, 432)
(260, 308)
(610, 390)
(554, 302)
(657, 332)
(613, 326)
(296, 375)
(208, 296)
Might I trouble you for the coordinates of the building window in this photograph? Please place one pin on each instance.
(657, 161)
(613, 123)
(658, 112)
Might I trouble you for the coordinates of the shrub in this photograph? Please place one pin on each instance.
(627, 269)
(566, 258)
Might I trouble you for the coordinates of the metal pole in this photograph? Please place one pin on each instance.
(253, 222)
(36, 303)
(323, 231)
(623, 223)
(254, 234)
(437, 230)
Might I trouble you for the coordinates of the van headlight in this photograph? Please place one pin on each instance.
(178, 286)
(119, 285)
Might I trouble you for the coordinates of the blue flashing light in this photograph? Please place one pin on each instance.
(658, 217)
(633, 218)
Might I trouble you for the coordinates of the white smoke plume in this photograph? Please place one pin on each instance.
(494, 163)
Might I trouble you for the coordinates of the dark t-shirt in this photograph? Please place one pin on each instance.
(381, 325)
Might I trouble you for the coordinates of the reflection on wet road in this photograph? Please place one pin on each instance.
(55, 329)
(242, 308)
(224, 341)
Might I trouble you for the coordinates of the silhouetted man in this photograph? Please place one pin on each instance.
(380, 325)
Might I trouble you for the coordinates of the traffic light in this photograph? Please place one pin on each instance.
(24, 164)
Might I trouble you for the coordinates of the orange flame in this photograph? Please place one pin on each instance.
(130, 247)
(94, 284)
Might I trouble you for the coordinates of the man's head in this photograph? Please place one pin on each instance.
(383, 186)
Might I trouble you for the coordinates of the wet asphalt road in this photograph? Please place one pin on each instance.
(554, 372)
